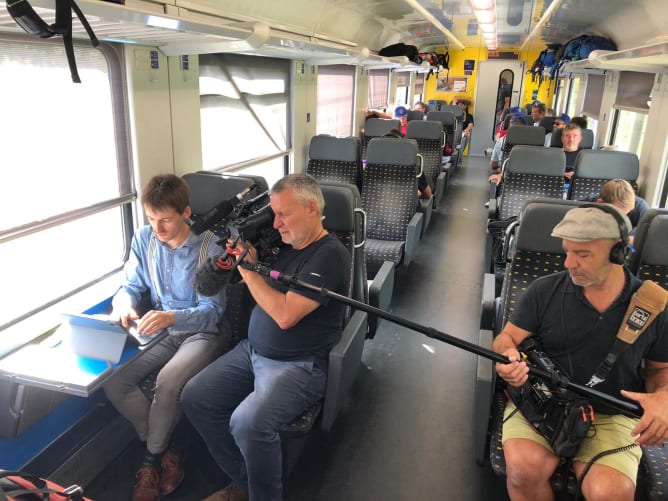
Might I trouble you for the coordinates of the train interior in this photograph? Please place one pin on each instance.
(411, 420)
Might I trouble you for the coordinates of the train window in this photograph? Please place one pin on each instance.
(573, 95)
(244, 103)
(628, 130)
(66, 178)
(593, 95)
(403, 86)
(419, 88)
(379, 84)
(336, 94)
(560, 95)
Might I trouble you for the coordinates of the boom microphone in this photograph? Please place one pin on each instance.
(218, 212)
(214, 274)
(646, 304)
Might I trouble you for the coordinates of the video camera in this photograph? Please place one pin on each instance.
(254, 224)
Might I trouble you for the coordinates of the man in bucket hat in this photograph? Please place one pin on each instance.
(575, 315)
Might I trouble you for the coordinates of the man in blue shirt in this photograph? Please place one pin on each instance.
(163, 260)
(239, 402)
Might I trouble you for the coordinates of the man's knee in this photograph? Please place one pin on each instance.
(528, 463)
(606, 484)
(248, 422)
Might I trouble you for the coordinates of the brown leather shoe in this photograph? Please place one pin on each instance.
(171, 475)
(229, 493)
(146, 488)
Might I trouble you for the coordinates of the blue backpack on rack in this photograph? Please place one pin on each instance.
(579, 48)
(544, 64)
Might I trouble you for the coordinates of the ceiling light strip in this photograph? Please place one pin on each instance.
(548, 13)
(430, 17)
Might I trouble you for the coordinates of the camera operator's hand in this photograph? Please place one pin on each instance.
(516, 372)
(238, 248)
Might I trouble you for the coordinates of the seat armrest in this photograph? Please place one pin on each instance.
(380, 293)
(482, 400)
(439, 188)
(382, 286)
(412, 237)
(492, 209)
(487, 312)
(426, 207)
(345, 359)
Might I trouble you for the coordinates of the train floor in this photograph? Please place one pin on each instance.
(406, 432)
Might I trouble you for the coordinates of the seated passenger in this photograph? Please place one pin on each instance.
(580, 122)
(468, 124)
(571, 137)
(576, 315)
(240, 401)
(538, 111)
(420, 106)
(497, 152)
(163, 260)
(559, 123)
(619, 192)
(400, 112)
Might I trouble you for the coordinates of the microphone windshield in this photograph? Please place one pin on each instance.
(210, 279)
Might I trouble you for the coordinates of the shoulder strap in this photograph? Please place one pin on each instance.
(203, 250)
(645, 305)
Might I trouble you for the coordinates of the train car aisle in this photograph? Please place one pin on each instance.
(406, 433)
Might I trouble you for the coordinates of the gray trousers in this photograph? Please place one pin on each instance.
(182, 358)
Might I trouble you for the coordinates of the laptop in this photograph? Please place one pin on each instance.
(99, 336)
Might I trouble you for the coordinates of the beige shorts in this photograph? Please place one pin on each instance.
(608, 432)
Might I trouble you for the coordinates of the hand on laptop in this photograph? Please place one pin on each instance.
(155, 321)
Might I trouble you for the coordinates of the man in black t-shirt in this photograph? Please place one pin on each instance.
(240, 401)
(575, 315)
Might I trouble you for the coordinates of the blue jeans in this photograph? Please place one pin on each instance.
(239, 402)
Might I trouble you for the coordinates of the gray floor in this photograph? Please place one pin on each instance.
(406, 433)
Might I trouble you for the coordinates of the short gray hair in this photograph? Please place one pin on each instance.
(306, 188)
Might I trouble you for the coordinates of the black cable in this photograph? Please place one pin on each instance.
(596, 458)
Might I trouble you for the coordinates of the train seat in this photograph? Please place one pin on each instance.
(522, 135)
(430, 138)
(650, 262)
(547, 123)
(594, 167)
(389, 199)
(335, 160)
(587, 142)
(414, 115)
(530, 172)
(447, 119)
(377, 127)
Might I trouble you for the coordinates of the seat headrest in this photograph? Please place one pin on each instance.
(208, 189)
(547, 123)
(536, 160)
(526, 134)
(603, 164)
(536, 221)
(391, 151)
(427, 129)
(555, 140)
(445, 117)
(587, 142)
(339, 207)
(656, 240)
(458, 112)
(415, 115)
(377, 127)
(325, 147)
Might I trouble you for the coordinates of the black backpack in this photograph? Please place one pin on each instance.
(401, 49)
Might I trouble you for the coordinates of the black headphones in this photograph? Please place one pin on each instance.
(621, 250)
